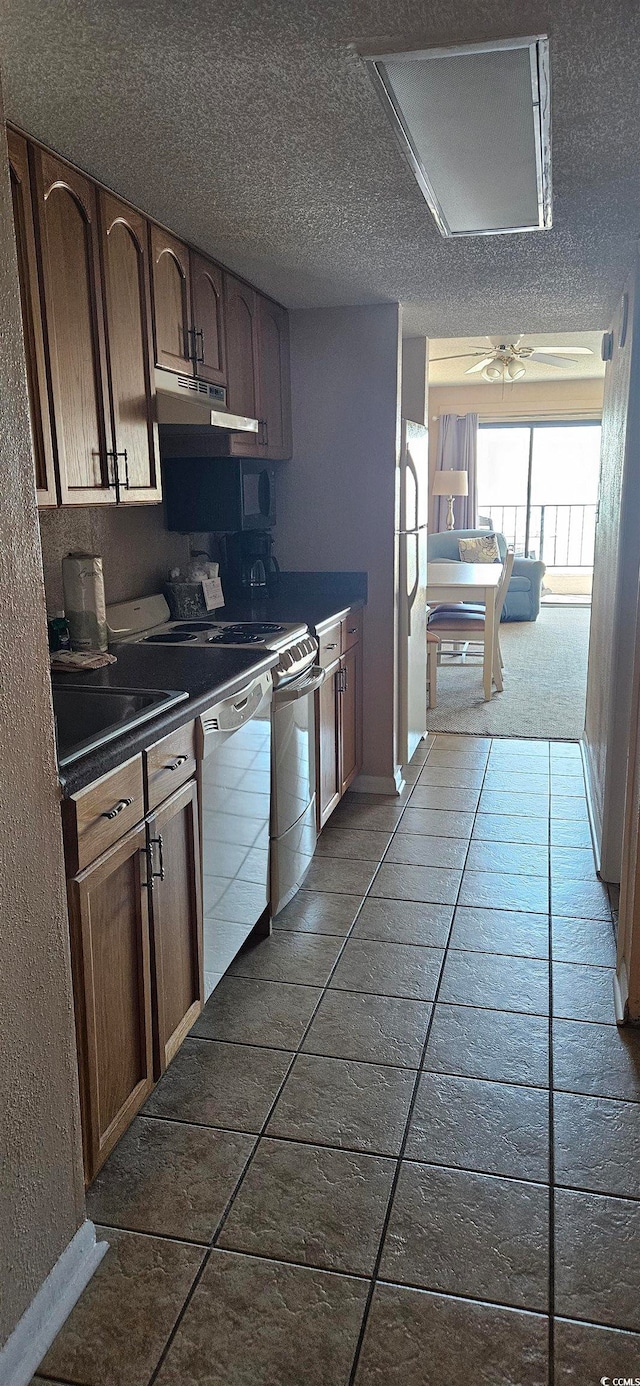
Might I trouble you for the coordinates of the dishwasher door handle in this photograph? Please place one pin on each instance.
(291, 693)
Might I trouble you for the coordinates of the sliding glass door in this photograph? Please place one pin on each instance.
(538, 485)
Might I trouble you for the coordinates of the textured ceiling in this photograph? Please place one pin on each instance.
(452, 372)
(253, 129)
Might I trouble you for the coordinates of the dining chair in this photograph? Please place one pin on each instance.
(464, 624)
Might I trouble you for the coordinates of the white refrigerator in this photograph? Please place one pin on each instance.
(412, 502)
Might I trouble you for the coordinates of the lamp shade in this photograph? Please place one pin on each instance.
(450, 484)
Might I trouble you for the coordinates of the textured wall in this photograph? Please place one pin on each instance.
(615, 592)
(136, 549)
(336, 496)
(41, 1189)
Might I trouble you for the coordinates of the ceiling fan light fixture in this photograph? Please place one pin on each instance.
(494, 372)
(515, 370)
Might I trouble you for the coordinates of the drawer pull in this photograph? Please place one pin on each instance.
(334, 646)
(117, 808)
(353, 630)
(175, 764)
(158, 841)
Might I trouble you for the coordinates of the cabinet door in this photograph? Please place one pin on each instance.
(176, 914)
(241, 322)
(66, 218)
(128, 323)
(275, 385)
(31, 320)
(328, 788)
(208, 319)
(350, 716)
(112, 988)
(171, 281)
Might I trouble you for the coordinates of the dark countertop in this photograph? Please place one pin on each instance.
(205, 674)
(315, 612)
(314, 598)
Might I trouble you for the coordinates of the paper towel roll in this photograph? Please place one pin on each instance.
(84, 604)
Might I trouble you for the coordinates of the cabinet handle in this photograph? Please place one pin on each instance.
(191, 351)
(353, 630)
(175, 764)
(117, 808)
(116, 472)
(200, 358)
(334, 646)
(158, 841)
(344, 679)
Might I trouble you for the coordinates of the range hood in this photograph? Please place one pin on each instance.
(186, 404)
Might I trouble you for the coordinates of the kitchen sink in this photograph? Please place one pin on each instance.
(87, 718)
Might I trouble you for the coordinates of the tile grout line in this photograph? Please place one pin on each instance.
(297, 1052)
(405, 1137)
(221, 1222)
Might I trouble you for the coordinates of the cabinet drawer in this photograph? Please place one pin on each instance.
(97, 816)
(170, 763)
(351, 629)
(329, 645)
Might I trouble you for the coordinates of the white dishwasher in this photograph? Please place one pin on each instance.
(235, 749)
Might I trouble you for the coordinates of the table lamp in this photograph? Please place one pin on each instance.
(450, 484)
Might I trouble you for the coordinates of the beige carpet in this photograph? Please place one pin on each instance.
(544, 681)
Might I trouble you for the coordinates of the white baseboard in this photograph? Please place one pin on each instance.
(379, 784)
(33, 1335)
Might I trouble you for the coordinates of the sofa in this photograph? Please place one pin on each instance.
(525, 589)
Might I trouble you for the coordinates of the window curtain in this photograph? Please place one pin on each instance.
(458, 451)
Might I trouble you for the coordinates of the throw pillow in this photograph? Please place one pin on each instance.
(483, 549)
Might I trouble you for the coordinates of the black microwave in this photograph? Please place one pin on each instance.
(218, 493)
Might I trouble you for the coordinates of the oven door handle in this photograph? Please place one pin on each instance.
(293, 691)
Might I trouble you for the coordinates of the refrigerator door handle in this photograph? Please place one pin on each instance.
(411, 596)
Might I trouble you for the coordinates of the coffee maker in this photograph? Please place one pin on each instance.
(251, 567)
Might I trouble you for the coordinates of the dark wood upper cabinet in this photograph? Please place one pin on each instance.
(124, 247)
(32, 320)
(274, 384)
(66, 223)
(243, 361)
(208, 331)
(171, 284)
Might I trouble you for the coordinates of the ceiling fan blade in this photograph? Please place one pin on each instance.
(542, 358)
(460, 356)
(479, 366)
(564, 350)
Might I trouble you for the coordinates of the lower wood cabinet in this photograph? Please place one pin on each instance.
(176, 921)
(338, 714)
(328, 771)
(136, 949)
(350, 716)
(109, 919)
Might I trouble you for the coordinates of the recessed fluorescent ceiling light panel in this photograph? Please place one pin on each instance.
(474, 124)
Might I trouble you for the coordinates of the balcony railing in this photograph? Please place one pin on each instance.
(563, 536)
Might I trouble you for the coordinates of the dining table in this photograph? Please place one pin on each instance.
(471, 582)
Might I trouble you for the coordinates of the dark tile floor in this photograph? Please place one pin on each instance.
(402, 1144)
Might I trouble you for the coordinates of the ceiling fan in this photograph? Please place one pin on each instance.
(507, 360)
